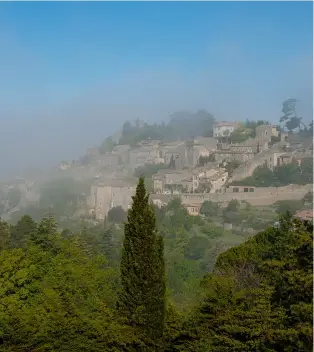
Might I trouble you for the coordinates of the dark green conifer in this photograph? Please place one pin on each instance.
(142, 298)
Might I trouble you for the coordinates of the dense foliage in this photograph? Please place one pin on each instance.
(61, 291)
(182, 125)
(283, 175)
(259, 296)
(245, 131)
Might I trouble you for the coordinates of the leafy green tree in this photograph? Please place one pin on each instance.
(22, 231)
(282, 206)
(282, 175)
(142, 298)
(209, 209)
(116, 214)
(196, 247)
(259, 297)
(59, 301)
(45, 234)
(5, 234)
(290, 117)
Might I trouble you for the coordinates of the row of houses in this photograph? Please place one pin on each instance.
(197, 180)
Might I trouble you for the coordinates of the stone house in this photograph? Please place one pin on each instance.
(224, 128)
(265, 132)
(107, 194)
(281, 159)
(193, 209)
(212, 181)
(241, 152)
(218, 180)
(175, 181)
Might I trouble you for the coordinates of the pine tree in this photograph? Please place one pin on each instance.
(142, 298)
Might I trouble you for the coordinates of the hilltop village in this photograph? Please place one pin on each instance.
(197, 169)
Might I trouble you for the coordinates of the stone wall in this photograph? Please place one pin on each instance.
(262, 196)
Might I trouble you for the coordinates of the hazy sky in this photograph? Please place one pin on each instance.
(72, 73)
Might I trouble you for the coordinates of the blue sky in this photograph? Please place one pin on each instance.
(72, 72)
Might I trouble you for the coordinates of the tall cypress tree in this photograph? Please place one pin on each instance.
(142, 298)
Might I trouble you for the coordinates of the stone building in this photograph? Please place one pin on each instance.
(224, 128)
(193, 208)
(175, 181)
(265, 132)
(107, 194)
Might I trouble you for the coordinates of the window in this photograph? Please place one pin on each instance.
(235, 190)
(246, 189)
(251, 189)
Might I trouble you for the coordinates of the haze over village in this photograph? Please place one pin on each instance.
(89, 134)
(194, 158)
(156, 176)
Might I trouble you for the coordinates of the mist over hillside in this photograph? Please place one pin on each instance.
(64, 92)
